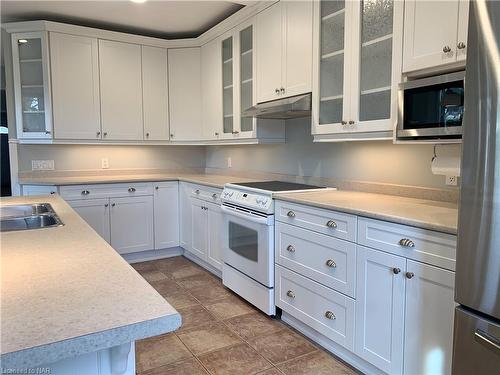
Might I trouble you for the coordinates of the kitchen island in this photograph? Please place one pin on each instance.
(69, 303)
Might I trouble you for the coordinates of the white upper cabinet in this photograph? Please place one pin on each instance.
(184, 87)
(121, 90)
(155, 93)
(283, 50)
(75, 86)
(32, 90)
(357, 67)
(211, 80)
(435, 33)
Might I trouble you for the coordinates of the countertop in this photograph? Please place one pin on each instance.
(434, 215)
(66, 292)
(212, 180)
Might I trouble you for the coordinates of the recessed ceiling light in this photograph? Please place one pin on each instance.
(22, 41)
(138, 1)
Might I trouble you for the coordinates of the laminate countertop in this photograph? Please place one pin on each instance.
(427, 214)
(65, 292)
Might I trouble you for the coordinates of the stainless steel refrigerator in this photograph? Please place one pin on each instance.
(476, 341)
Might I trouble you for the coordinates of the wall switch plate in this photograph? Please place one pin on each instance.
(104, 163)
(42, 165)
(451, 180)
(229, 162)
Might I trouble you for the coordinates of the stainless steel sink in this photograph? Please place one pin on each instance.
(25, 217)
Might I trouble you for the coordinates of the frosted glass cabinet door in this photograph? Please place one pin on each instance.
(227, 86)
(32, 89)
(246, 77)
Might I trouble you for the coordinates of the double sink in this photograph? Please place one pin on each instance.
(28, 216)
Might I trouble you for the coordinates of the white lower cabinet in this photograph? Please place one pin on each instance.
(215, 223)
(166, 214)
(380, 309)
(185, 215)
(132, 224)
(28, 190)
(199, 228)
(96, 213)
(429, 316)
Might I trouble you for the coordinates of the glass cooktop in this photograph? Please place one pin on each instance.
(278, 186)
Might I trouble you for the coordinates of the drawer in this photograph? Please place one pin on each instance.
(39, 189)
(311, 302)
(423, 245)
(206, 193)
(327, 260)
(332, 223)
(72, 192)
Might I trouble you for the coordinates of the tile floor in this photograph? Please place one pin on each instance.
(221, 333)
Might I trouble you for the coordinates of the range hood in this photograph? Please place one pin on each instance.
(286, 108)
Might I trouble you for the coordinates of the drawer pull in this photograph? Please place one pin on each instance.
(85, 192)
(106, 205)
(131, 190)
(396, 270)
(331, 224)
(214, 196)
(406, 242)
(409, 275)
(331, 263)
(290, 294)
(197, 191)
(290, 248)
(157, 188)
(330, 315)
(290, 214)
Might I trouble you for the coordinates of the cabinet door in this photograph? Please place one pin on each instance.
(332, 64)
(96, 213)
(268, 45)
(380, 291)
(185, 215)
(132, 224)
(463, 26)
(297, 47)
(32, 90)
(376, 62)
(166, 214)
(211, 81)
(75, 87)
(228, 85)
(429, 315)
(155, 93)
(121, 90)
(430, 29)
(215, 223)
(199, 225)
(184, 87)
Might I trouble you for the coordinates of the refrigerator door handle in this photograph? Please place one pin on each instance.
(487, 341)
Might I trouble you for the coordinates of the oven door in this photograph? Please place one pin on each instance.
(248, 244)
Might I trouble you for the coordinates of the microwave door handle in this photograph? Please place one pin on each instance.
(245, 216)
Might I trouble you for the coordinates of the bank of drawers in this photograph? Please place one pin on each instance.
(72, 192)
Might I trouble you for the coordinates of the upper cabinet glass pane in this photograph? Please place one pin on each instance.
(227, 83)
(246, 76)
(377, 19)
(30, 49)
(328, 7)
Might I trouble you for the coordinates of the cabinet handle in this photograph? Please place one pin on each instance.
(216, 134)
(277, 91)
(290, 214)
(214, 196)
(98, 134)
(330, 315)
(461, 45)
(406, 242)
(105, 134)
(396, 270)
(131, 190)
(106, 205)
(290, 248)
(331, 263)
(197, 191)
(409, 275)
(171, 135)
(85, 192)
(147, 135)
(282, 90)
(290, 294)
(52, 192)
(113, 204)
(351, 122)
(446, 49)
(343, 122)
(235, 132)
(156, 187)
(47, 131)
(331, 224)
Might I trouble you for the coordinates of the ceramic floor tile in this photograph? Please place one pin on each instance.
(207, 338)
(180, 300)
(282, 346)
(171, 264)
(318, 363)
(154, 276)
(159, 351)
(186, 271)
(144, 266)
(166, 287)
(272, 371)
(194, 316)
(187, 367)
(210, 293)
(229, 307)
(253, 325)
(236, 360)
(198, 281)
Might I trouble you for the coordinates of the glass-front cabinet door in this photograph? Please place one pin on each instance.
(246, 97)
(228, 128)
(31, 85)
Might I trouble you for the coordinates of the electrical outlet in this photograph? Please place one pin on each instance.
(104, 163)
(451, 180)
(229, 162)
(42, 165)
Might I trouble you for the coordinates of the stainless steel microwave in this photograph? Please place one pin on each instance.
(431, 108)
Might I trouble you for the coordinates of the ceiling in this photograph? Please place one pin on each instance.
(157, 18)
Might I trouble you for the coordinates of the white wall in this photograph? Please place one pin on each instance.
(85, 157)
(373, 161)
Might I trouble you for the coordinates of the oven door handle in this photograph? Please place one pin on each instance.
(246, 216)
